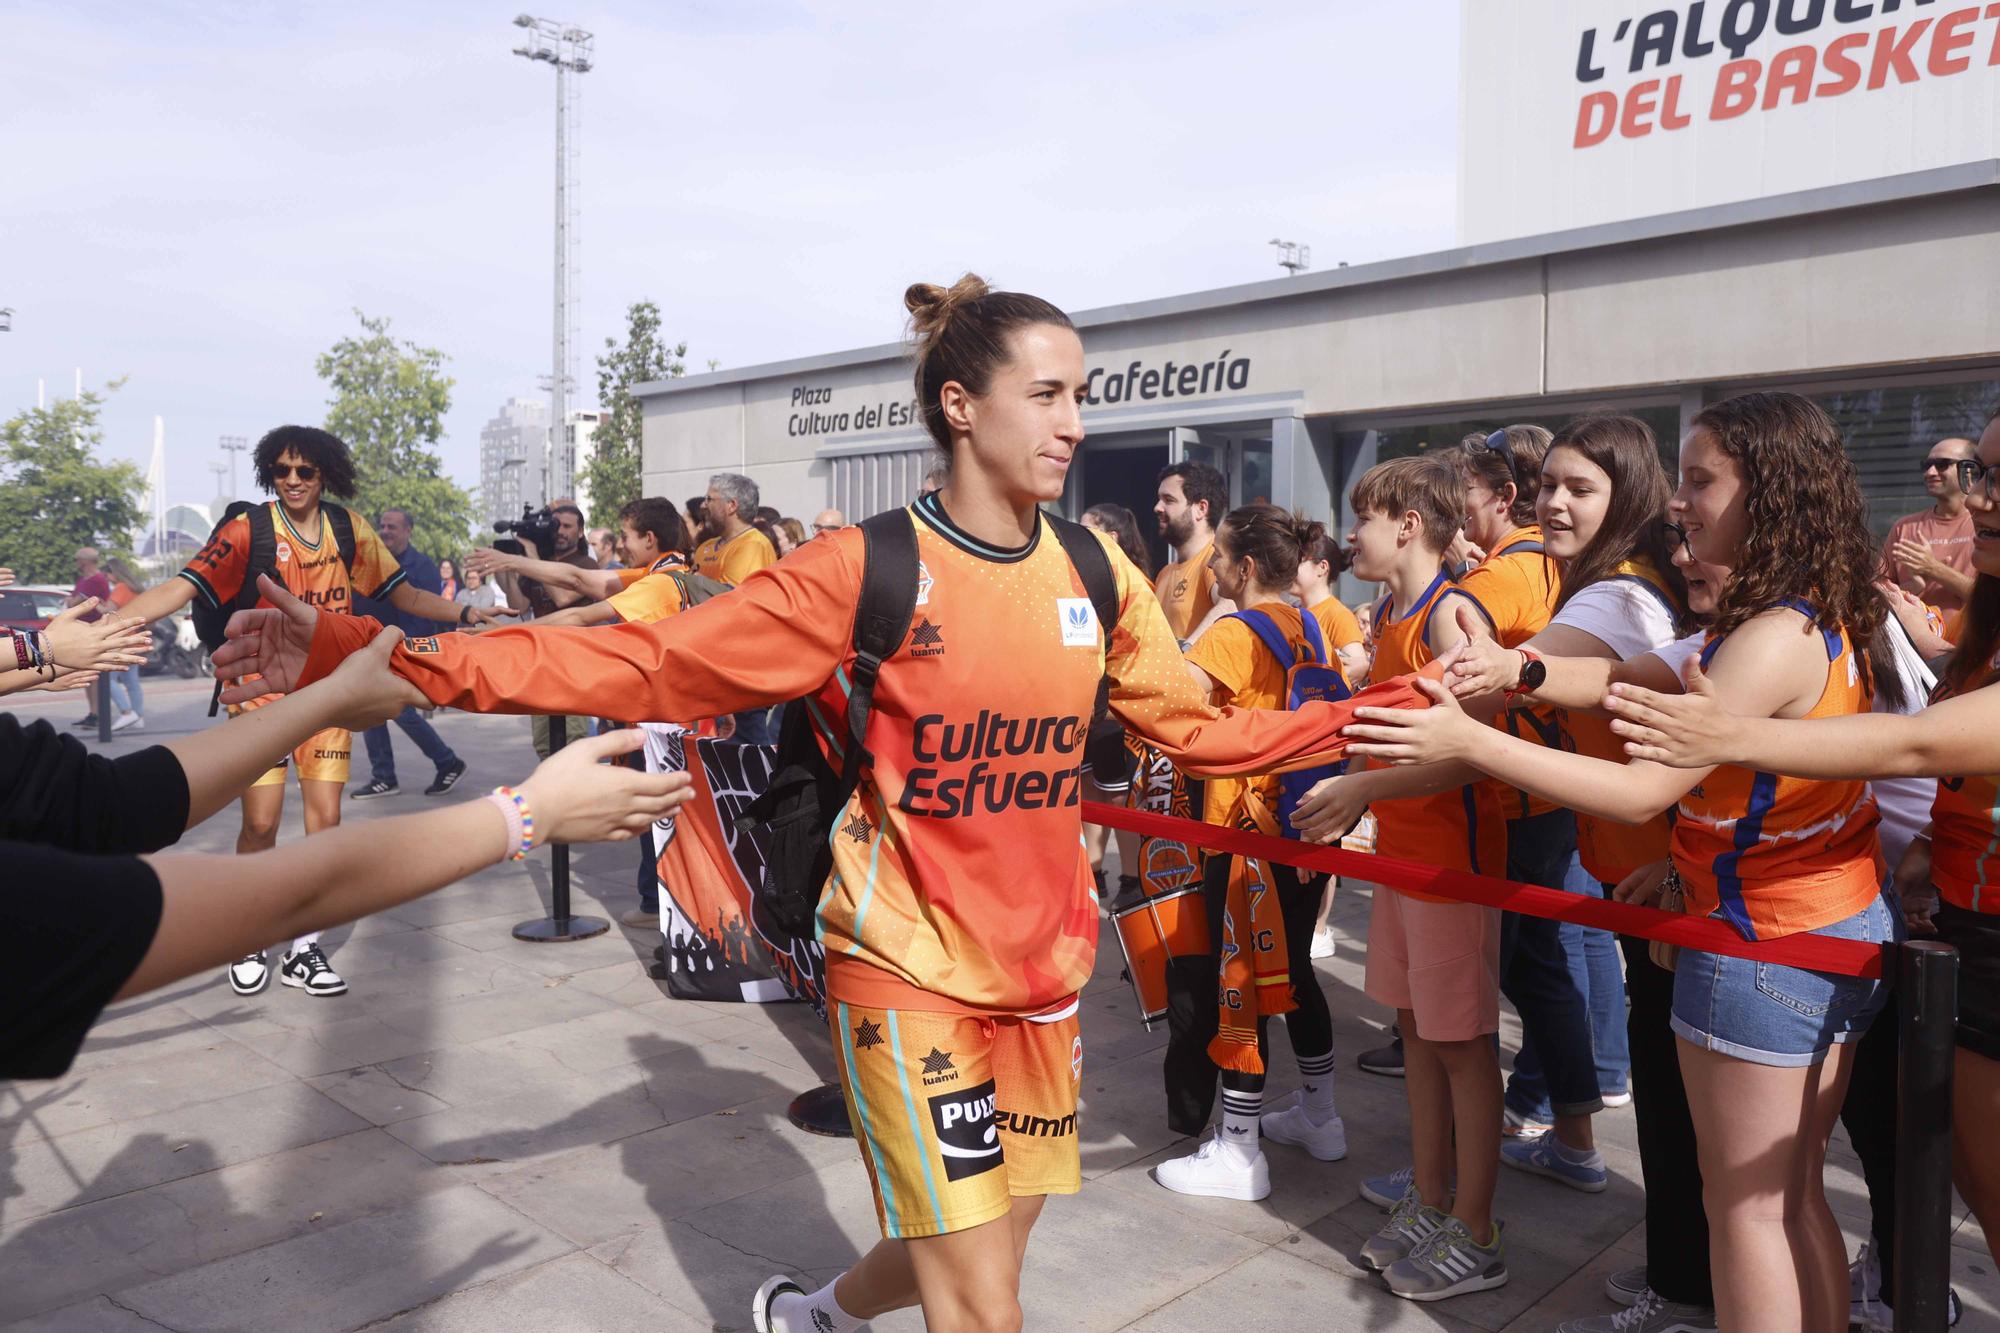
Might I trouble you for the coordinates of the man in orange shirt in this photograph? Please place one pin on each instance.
(1191, 501)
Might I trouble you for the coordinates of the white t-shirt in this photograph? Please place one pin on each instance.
(1629, 617)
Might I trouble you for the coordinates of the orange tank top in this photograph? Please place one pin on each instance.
(1609, 850)
(1965, 835)
(1460, 829)
(1779, 855)
(1516, 585)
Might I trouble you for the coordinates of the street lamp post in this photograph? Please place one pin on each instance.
(570, 50)
(232, 445)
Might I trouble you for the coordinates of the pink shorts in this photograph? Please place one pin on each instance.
(1441, 961)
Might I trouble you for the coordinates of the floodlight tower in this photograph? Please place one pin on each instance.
(232, 445)
(569, 50)
(1293, 257)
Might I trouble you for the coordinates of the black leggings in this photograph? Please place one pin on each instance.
(1192, 1019)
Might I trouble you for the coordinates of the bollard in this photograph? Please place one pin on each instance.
(103, 691)
(559, 925)
(1927, 997)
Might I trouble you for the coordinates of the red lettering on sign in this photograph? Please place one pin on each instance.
(1735, 89)
(1595, 115)
(1948, 39)
(1892, 53)
(1636, 123)
(1792, 69)
(1671, 115)
(1837, 58)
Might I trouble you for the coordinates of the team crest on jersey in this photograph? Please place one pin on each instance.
(1180, 589)
(1076, 1056)
(423, 643)
(284, 553)
(923, 584)
(1078, 619)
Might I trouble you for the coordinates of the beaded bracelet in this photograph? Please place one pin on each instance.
(520, 820)
(20, 649)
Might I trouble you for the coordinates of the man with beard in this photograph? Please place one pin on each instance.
(1192, 497)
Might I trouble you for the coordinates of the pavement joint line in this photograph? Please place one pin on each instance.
(138, 1315)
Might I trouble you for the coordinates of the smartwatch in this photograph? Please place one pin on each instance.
(1534, 671)
(465, 614)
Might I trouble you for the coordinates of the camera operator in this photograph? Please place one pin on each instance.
(565, 546)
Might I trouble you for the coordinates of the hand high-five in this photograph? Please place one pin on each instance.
(270, 643)
(1480, 665)
(1690, 730)
(108, 644)
(1412, 735)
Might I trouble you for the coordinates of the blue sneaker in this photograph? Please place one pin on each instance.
(1543, 1156)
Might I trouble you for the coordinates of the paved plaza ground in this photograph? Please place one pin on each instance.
(486, 1135)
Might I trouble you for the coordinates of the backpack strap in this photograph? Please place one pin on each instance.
(888, 604)
(1267, 630)
(1315, 640)
(263, 558)
(343, 533)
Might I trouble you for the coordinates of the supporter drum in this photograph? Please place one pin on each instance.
(1170, 925)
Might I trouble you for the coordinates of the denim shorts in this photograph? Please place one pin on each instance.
(1770, 1014)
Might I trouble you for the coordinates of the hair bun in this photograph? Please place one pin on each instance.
(931, 306)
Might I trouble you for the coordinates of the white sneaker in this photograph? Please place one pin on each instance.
(1214, 1169)
(1322, 945)
(126, 721)
(1326, 1140)
(308, 970)
(248, 975)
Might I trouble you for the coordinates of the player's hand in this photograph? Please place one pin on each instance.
(1332, 808)
(110, 644)
(363, 692)
(1431, 735)
(485, 561)
(1642, 887)
(1915, 888)
(1691, 730)
(1480, 665)
(69, 680)
(575, 797)
(269, 643)
(490, 617)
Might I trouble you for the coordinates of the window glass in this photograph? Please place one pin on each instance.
(1890, 431)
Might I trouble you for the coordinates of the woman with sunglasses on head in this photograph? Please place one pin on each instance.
(1780, 562)
(326, 554)
(1949, 880)
(1600, 500)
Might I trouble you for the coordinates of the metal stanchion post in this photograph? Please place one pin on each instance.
(821, 1110)
(1927, 997)
(559, 925)
(103, 692)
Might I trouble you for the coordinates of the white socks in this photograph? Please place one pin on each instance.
(1316, 1088)
(1240, 1113)
(817, 1313)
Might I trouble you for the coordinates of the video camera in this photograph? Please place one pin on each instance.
(536, 527)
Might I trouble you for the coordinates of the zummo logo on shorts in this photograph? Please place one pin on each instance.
(966, 750)
(967, 1138)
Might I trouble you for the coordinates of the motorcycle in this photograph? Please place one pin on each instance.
(177, 648)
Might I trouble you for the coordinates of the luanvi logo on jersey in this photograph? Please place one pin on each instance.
(967, 1137)
(1079, 622)
(868, 1035)
(927, 639)
(938, 1068)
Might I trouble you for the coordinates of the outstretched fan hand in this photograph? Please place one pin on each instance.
(1688, 730)
(267, 647)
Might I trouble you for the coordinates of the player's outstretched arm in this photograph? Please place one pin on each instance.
(214, 908)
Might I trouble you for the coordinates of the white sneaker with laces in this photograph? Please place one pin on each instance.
(308, 970)
(1216, 1170)
(249, 974)
(126, 721)
(1322, 945)
(1294, 1125)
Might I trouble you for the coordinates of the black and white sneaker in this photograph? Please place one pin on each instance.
(249, 974)
(1384, 1060)
(309, 971)
(447, 778)
(767, 1296)
(373, 789)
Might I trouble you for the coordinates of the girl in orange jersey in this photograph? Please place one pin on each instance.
(959, 923)
(1256, 548)
(1949, 880)
(1772, 529)
(1320, 563)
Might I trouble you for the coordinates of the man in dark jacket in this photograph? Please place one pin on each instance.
(421, 572)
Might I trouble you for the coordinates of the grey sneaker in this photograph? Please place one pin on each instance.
(1411, 1223)
(1648, 1314)
(1449, 1263)
(1626, 1285)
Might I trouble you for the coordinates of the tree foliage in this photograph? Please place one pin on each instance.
(613, 476)
(388, 404)
(55, 494)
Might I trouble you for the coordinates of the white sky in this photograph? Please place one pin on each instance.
(198, 194)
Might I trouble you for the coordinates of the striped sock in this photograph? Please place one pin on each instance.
(1316, 1087)
(1240, 1111)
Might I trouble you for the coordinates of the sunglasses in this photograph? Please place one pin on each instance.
(1498, 443)
(1972, 473)
(1938, 464)
(303, 471)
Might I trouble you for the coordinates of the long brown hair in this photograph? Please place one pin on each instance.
(1123, 525)
(1634, 526)
(1979, 630)
(1808, 537)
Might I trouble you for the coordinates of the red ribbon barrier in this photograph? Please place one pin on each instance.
(1854, 958)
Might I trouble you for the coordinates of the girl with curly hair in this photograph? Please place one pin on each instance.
(1770, 529)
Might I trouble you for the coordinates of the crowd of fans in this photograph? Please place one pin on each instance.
(1571, 671)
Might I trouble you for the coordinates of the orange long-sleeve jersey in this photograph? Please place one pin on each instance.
(1517, 586)
(960, 880)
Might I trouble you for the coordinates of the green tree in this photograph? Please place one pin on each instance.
(56, 496)
(389, 400)
(613, 474)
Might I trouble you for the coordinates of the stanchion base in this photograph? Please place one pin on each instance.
(552, 930)
(823, 1110)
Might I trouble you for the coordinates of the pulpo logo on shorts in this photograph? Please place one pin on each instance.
(966, 1133)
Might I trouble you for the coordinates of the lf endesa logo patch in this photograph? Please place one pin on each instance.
(966, 1134)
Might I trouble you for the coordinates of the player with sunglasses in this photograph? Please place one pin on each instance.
(325, 554)
(1929, 552)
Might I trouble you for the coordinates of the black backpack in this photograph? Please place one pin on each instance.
(211, 623)
(795, 815)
